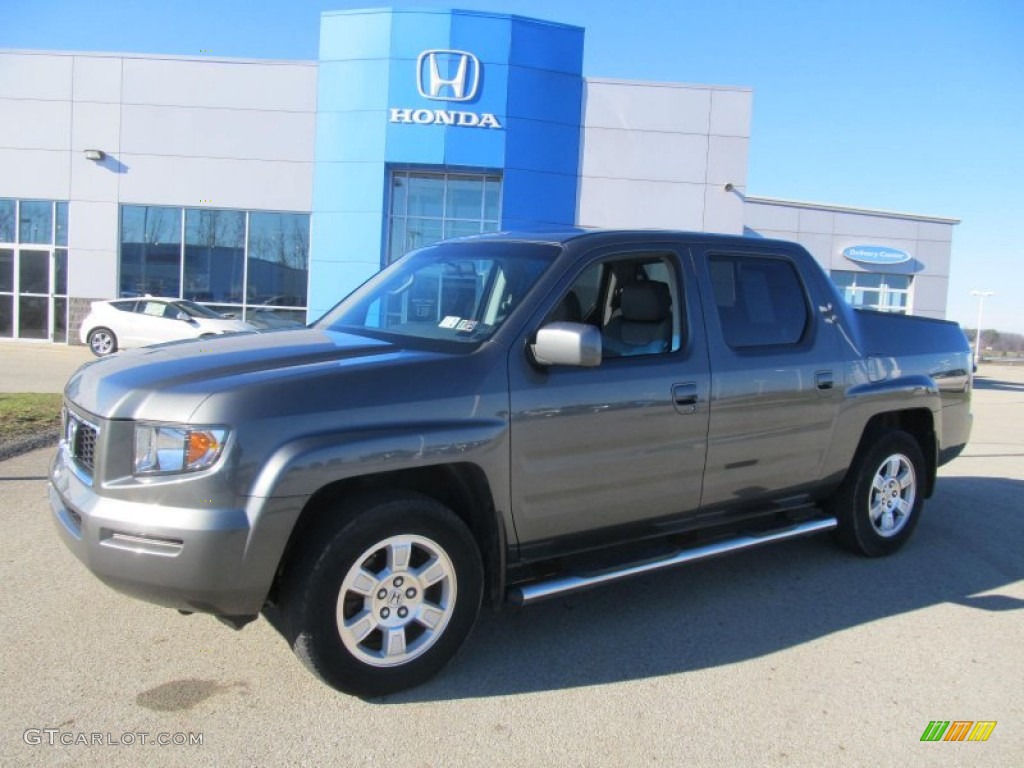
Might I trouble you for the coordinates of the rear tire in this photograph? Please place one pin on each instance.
(380, 601)
(879, 503)
(102, 342)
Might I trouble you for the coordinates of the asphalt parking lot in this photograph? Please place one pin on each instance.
(793, 655)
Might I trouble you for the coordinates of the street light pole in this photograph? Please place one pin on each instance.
(977, 335)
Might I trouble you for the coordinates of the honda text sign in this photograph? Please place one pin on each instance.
(450, 76)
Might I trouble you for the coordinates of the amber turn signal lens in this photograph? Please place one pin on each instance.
(200, 444)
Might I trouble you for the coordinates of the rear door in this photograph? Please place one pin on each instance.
(777, 384)
(621, 445)
(156, 321)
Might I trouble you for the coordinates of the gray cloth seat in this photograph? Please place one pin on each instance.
(644, 326)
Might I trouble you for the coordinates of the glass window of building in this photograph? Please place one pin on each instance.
(246, 264)
(214, 256)
(33, 269)
(427, 207)
(869, 290)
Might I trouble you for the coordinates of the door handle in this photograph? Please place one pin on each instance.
(824, 380)
(684, 397)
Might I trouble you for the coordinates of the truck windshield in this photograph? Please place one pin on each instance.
(455, 292)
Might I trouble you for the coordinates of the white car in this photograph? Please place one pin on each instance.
(125, 323)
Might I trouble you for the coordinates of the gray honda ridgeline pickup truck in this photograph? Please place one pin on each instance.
(504, 418)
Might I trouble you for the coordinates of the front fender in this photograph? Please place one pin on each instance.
(300, 468)
(303, 466)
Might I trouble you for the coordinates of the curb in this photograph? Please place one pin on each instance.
(30, 443)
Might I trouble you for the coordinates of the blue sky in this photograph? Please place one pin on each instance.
(902, 105)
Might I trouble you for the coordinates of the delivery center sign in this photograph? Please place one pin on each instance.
(448, 76)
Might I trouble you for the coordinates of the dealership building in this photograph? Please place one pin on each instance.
(270, 189)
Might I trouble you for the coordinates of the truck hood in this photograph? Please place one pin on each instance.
(168, 382)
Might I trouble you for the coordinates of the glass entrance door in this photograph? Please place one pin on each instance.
(33, 270)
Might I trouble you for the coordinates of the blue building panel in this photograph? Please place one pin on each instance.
(350, 86)
(533, 145)
(334, 281)
(540, 94)
(483, 148)
(412, 144)
(487, 35)
(532, 198)
(545, 45)
(499, 94)
(410, 28)
(351, 35)
(349, 186)
(347, 235)
(355, 136)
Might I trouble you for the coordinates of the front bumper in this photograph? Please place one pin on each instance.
(185, 558)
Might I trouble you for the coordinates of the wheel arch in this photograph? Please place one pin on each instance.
(919, 423)
(462, 487)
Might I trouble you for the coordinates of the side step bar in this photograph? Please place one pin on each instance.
(541, 590)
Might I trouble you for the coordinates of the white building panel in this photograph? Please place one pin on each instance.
(646, 106)
(933, 230)
(731, 111)
(626, 203)
(95, 126)
(929, 295)
(228, 85)
(819, 246)
(187, 181)
(33, 124)
(759, 216)
(727, 161)
(723, 211)
(822, 222)
(92, 274)
(95, 225)
(95, 181)
(97, 78)
(644, 156)
(218, 133)
(777, 234)
(875, 226)
(35, 173)
(937, 255)
(35, 76)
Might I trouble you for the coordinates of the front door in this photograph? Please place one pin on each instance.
(621, 444)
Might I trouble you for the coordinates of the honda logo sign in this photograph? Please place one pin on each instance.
(451, 76)
(448, 75)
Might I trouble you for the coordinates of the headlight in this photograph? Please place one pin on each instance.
(169, 448)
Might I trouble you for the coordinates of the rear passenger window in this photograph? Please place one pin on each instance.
(760, 300)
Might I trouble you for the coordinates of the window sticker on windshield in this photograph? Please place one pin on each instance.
(466, 325)
(451, 321)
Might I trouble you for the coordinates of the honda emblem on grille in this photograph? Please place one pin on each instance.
(72, 436)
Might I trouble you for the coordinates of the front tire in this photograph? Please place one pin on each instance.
(102, 342)
(879, 503)
(383, 600)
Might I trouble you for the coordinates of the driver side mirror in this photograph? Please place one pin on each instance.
(182, 316)
(574, 344)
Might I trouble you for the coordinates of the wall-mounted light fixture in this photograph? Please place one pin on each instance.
(95, 154)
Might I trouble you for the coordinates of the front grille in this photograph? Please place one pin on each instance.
(80, 437)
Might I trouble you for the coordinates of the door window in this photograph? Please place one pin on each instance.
(761, 301)
(633, 300)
